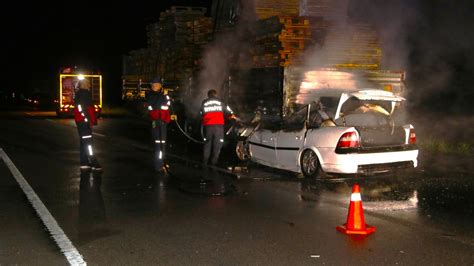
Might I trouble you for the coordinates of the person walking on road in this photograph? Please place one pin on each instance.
(158, 105)
(85, 119)
(212, 113)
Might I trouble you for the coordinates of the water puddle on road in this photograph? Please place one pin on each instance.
(205, 181)
(431, 194)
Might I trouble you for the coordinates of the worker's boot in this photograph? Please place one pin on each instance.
(95, 166)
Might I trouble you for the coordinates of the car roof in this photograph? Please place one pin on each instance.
(376, 94)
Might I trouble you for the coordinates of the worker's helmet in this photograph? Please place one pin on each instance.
(156, 80)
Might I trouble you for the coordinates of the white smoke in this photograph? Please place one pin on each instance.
(227, 48)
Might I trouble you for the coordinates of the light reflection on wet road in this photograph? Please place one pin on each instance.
(129, 215)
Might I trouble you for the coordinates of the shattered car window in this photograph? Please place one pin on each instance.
(329, 105)
(295, 122)
(271, 123)
(318, 116)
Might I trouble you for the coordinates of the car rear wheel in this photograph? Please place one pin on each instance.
(242, 150)
(310, 164)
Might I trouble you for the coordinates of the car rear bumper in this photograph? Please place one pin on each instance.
(368, 163)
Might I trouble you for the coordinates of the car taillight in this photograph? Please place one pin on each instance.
(349, 140)
(412, 136)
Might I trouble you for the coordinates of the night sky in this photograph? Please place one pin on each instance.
(43, 37)
(437, 40)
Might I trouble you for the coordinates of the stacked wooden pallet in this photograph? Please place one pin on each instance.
(281, 40)
(330, 10)
(137, 62)
(295, 38)
(175, 45)
(270, 8)
(354, 46)
(187, 29)
(153, 35)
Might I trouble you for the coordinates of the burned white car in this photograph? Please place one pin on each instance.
(345, 132)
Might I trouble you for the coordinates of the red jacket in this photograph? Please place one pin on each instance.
(212, 112)
(83, 107)
(82, 116)
(159, 106)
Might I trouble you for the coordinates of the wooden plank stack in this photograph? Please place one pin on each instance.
(137, 62)
(281, 40)
(270, 8)
(353, 46)
(174, 45)
(330, 10)
(183, 30)
(347, 46)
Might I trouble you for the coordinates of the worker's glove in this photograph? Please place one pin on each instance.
(232, 117)
(174, 117)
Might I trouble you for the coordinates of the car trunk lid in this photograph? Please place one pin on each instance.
(381, 136)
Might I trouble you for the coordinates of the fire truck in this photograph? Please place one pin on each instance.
(68, 81)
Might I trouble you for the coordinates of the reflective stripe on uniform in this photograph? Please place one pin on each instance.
(164, 107)
(150, 108)
(212, 102)
(160, 155)
(90, 150)
(230, 110)
(356, 197)
(160, 141)
(221, 140)
(79, 108)
(87, 137)
(213, 109)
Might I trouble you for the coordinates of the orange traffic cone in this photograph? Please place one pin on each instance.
(355, 219)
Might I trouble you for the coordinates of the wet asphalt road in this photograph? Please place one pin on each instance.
(130, 216)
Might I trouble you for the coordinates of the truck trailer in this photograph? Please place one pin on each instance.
(279, 91)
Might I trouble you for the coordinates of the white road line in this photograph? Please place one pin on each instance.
(98, 134)
(63, 242)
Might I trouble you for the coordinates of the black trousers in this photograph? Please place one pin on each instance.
(158, 131)
(213, 140)
(86, 151)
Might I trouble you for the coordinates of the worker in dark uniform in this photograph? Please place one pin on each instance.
(212, 113)
(158, 105)
(85, 118)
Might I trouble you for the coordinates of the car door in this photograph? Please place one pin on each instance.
(262, 146)
(289, 145)
(290, 140)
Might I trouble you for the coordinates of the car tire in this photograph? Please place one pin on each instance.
(310, 166)
(242, 150)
